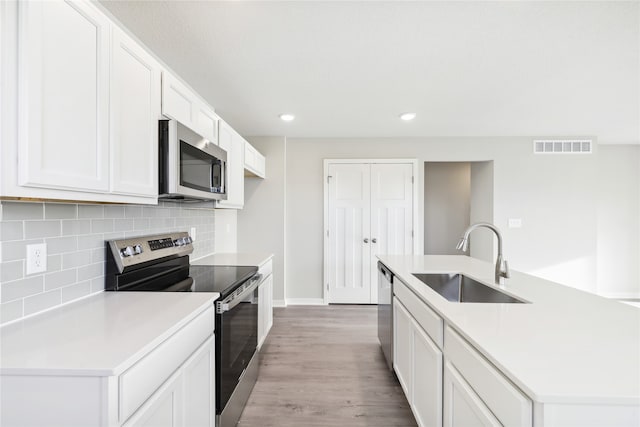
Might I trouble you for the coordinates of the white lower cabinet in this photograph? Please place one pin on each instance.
(172, 384)
(265, 302)
(462, 406)
(471, 393)
(418, 365)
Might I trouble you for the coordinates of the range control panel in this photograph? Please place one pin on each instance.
(133, 251)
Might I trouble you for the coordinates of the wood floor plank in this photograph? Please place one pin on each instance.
(323, 366)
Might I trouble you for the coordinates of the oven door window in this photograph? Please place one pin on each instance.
(237, 340)
(199, 170)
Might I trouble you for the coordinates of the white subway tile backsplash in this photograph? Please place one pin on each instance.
(91, 271)
(11, 230)
(39, 229)
(114, 211)
(76, 259)
(75, 235)
(16, 249)
(101, 226)
(11, 311)
(60, 211)
(90, 211)
(22, 211)
(42, 301)
(91, 241)
(73, 227)
(21, 288)
(60, 279)
(76, 291)
(13, 270)
(60, 245)
(141, 224)
(54, 263)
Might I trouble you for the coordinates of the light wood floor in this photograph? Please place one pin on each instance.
(322, 366)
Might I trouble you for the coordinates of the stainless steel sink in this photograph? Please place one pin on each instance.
(460, 288)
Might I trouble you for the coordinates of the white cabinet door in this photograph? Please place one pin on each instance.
(462, 406)
(391, 214)
(164, 408)
(200, 387)
(135, 110)
(63, 95)
(403, 347)
(426, 378)
(265, 309)
(230, 141)
(254, 162)
(349, 263)
(182, 104)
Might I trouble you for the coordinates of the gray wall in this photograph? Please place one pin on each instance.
(261, 224)
(482, 244)
(75, 236)
(447, 205)
(556, 196)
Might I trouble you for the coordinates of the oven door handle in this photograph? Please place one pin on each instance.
(232, 300)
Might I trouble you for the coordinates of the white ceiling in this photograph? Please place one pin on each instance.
(348, 69)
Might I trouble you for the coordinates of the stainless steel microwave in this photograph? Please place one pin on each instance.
(190, 166)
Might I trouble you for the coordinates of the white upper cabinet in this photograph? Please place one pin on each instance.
(63, 95)
(182, 104)
(254, 162)
(135, 111)
(234, 145)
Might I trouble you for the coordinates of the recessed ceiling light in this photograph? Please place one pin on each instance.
(287, 117)
(407, 116)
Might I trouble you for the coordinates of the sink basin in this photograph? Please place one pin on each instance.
(460, 288)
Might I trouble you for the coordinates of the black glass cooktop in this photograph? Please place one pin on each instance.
(220, 278)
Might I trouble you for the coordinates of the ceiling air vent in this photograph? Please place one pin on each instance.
(562, 146)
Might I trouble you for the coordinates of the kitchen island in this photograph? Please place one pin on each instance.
(574, 356)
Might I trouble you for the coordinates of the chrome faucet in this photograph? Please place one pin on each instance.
(502, 268)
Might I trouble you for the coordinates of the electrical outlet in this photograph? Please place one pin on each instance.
(36, 258)
(192, 233)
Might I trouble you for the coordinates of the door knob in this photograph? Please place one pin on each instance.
(366, 240)
(374, 240)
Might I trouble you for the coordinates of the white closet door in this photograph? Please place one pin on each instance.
(391, 214)
(349, 263)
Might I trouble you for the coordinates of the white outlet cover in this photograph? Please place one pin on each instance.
(36, 258)
(192, 233)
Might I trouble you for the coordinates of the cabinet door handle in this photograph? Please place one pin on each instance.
(374, 240)
(366, 240)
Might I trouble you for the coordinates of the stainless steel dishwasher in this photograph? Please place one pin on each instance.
(385, 312)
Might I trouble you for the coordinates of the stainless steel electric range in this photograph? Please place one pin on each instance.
(160, 263)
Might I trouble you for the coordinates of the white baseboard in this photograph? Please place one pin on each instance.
(279, 303)
(305, 301)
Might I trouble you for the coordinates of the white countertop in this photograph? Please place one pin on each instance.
(565, 346)
(101, 335)
(251, 259)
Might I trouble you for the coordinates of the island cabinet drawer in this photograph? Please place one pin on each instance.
(426, 317)
(510, 406)
(140, 381)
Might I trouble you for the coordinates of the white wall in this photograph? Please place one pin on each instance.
(261, 224)
(555, 196)
(447, 205)
(619, 221)
(226, 232)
